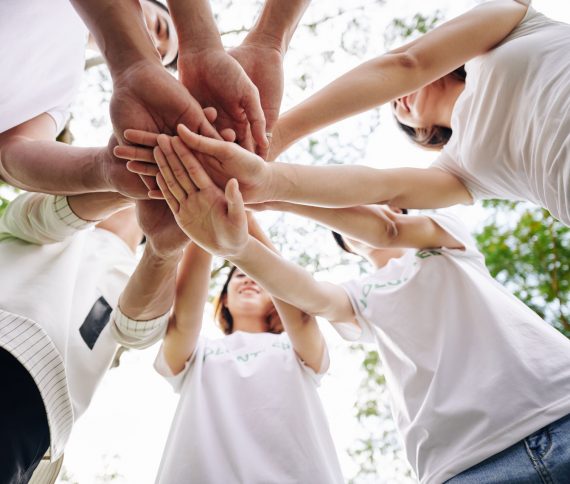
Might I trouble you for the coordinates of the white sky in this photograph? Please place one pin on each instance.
(131, 413)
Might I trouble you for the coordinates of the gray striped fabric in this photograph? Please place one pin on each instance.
(46, 472)
(32, 347)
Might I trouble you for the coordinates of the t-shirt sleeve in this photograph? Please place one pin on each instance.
(457, 229)
(446, 162)
(60, 117)
(138, 334)
(175, 380)
(359, 331)
(39, 218)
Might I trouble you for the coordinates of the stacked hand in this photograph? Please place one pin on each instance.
(213, 218)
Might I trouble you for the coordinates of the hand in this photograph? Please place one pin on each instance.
(119, 178)
(216, 79)
(147, 97)
(158, 224)
(264, 66)
(224, 161)
(215, 220)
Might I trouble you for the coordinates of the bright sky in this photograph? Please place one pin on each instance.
(127, 424)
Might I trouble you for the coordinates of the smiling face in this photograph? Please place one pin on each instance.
(161, 29)
(420, 109)
(246, 299)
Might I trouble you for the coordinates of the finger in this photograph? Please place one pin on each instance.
(247, 142)
(256, 118)
(150, 182)
(127, 152)
(210, 113)
(168, 176)
(192, 166)
(156, 194)
(203, 144)
(228, 134)
(175, 163)
(236, 210)
(168, 196)
(139, 137)
(141, 168)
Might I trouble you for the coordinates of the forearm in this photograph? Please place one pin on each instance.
(150, 290)
(119, 30)
(192, 286)
(277, 23)
(97, 206)
(375, 226)
(371, 84)
(51, 167)
(282, 279)
(347, 186)
(195, 25)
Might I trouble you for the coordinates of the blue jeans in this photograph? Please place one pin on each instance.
(541, 458)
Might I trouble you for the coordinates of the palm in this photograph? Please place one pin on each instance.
(125, 182)
(148, 98)
(160, 227)
(204, 218)
(264, 66)
(217, 80)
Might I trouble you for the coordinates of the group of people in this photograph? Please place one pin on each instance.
(479, 384)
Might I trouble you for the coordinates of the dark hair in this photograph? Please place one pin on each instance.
(340, 240)
(225, 319)
(434, 137)
(172, 65)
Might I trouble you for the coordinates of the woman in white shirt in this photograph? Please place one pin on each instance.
(249, 409)
(510, 117)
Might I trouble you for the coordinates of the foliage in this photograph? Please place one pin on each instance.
(528, 251)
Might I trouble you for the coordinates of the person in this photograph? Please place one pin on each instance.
(249, 410)
(36, 96)
(68, 298)
(208, 74)
(497, 145)
(479, 384)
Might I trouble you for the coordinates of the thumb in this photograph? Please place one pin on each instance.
(234, 199)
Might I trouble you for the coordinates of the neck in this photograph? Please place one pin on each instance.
(452, 88)
(249, 324)
(379, 258)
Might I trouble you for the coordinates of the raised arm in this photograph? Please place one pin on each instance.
(302, 328)
(145, 95)
(148, 296)
(401, 71)
(186, 320)
(213, 76)
(374, 225)
(262, 52)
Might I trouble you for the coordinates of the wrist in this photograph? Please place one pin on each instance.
(266, 40)
(162, 258)
(240, 254)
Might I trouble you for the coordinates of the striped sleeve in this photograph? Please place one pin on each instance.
(40, 218)
(137, 334)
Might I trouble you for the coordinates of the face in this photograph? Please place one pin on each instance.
(419, 109)
(162, 31)
(245, 297)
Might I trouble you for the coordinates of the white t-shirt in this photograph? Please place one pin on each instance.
(67, 286)
(249, 412)
(471, 370)
(511, 124)
(42, 54)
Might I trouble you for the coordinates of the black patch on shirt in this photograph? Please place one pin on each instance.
(95, 322)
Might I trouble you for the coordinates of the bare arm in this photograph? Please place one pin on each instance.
(303, 329)
(401, 71)
(375, 225)
(191, 295)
